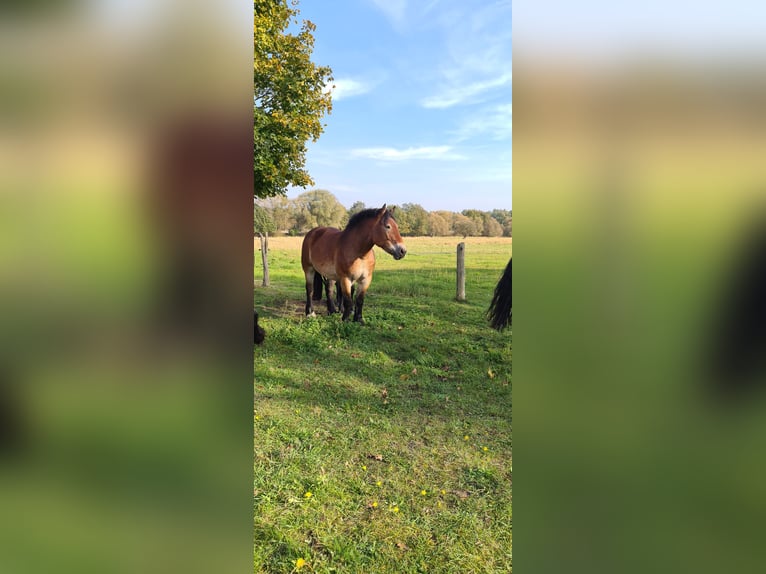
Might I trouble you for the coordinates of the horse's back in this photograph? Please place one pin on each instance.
(319, 246)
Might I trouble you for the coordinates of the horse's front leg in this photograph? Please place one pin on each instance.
(345, 287)
(339, 296)
(329, 290)
(364, 283)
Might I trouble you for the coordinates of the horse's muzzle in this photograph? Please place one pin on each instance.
(399, 252)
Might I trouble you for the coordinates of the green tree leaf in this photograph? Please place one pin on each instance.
(290, 97)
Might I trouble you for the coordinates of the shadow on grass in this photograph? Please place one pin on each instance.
(353, 372)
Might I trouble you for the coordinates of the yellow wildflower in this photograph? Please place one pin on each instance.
(309, 494)
(299, 563)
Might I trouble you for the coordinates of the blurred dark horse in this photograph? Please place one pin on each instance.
(500, 309)
(258, 333)
(347, 257)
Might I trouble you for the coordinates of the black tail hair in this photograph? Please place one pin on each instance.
(734, 353)
(319, 283)
(500, 312)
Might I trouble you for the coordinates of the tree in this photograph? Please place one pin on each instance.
(281, 210)
(416, 219)
(449, 217)
(402, 219)
(262, 226)
(356, 208)
(463, 225)
(504, 217)
(491, 228)
(438, 226)
(477, 216)
(303, 220)
(290, 97)
(319, 207)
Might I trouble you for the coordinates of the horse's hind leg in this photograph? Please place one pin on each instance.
(329, 290)
(310, 274)
(319, 283)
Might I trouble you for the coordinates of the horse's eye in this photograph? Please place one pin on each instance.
(388, 227)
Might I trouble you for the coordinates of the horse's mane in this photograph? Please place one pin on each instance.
(364, 215)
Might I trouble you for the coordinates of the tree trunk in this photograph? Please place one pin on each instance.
(264, 237)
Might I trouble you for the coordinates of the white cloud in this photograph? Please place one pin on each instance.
(395, 10)
(476, 60)
(495, 121)
(347, 88)
(464, 93)
(443, 152)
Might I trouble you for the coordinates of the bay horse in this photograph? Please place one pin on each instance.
(347, 257)
(500, 312)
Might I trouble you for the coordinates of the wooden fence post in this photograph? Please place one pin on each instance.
(460, 271)
(265, 257)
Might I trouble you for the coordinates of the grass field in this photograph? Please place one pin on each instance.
(385, 447)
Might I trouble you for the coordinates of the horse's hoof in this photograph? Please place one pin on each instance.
(312, 314)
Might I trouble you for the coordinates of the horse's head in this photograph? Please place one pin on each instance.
(386, 234)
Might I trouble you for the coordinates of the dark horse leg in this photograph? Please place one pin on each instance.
(258, 333)
(358, 303)
(329, 288)
(345, 286)
(500, 312)
(339, 295)
(364, 283)
(319, 283)
(311, 276)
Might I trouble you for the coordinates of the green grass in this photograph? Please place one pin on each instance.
(399, 429)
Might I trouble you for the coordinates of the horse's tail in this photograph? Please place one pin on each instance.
(501, 309)
(318, 286)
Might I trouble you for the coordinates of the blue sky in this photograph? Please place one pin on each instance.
(422, 103)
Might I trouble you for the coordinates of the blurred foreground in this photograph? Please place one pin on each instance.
(640, 386)
(125, 287)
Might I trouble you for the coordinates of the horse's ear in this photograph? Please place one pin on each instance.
(382, 211)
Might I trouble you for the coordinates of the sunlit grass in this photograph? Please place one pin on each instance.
(372, 420)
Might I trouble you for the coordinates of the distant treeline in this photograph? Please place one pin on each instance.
(280, 215)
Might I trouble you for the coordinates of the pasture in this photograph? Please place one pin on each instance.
(384, 447)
